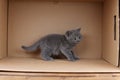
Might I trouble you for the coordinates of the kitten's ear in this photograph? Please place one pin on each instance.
(67, 34)
(79, 29)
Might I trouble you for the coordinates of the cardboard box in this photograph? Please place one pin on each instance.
(22, 22)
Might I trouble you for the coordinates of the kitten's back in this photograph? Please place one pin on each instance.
(52, 40)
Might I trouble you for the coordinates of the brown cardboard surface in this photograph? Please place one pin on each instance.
(37, 65)
(3, 28)
(110, 46)
(31, 20)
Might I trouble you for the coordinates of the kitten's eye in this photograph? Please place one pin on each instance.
(79, 37)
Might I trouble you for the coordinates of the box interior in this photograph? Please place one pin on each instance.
(43, 18)
(25, 21)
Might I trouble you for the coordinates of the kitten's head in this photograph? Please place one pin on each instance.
(73, 36)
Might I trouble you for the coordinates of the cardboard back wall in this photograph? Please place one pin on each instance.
(31, 20)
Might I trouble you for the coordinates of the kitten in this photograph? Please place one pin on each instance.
(56, 44)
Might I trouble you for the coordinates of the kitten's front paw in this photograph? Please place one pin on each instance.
(49, 59)
(77, 58)
(72, 59)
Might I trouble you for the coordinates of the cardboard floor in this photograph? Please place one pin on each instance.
(37, 65)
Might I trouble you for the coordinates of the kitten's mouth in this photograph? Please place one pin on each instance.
(77, 41)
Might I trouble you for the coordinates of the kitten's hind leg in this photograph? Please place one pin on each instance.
(46, 55)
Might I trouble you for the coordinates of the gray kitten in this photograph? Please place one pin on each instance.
(56, 44)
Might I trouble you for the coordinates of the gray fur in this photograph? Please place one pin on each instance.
(56, 44)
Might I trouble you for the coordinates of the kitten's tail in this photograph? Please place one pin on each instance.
(31, 48)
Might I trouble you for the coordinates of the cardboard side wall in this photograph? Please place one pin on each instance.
(110, 46)
(3, 28)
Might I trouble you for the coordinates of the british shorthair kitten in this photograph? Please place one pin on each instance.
(56, 44)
